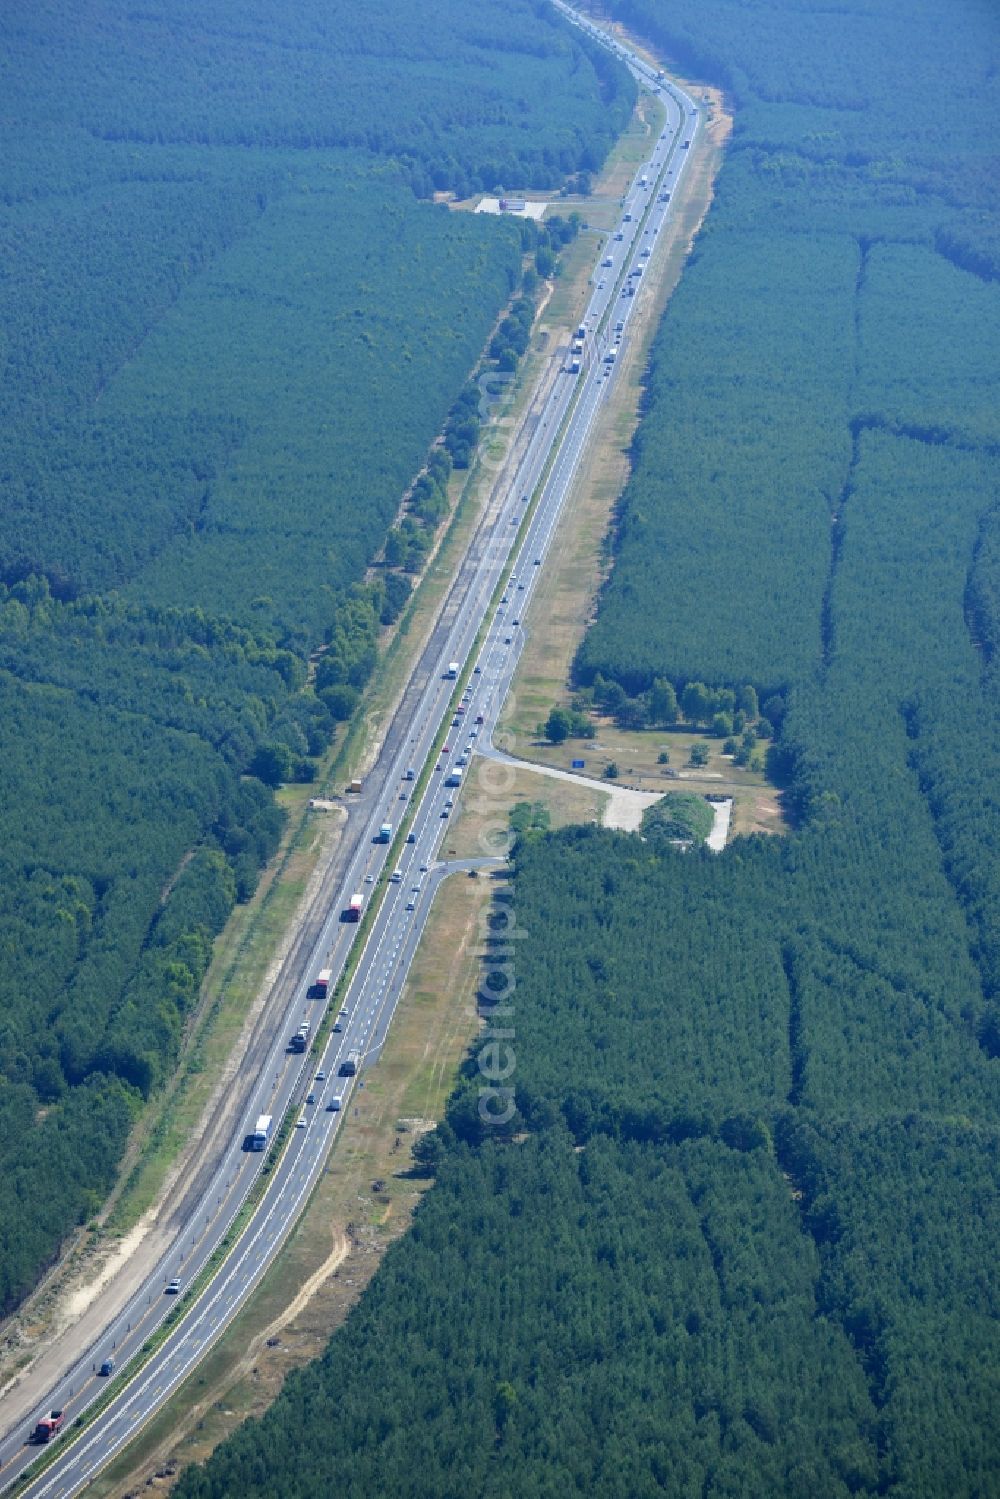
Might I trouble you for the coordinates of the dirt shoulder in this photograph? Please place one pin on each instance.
(364, 1201)
(579, 559)
(256, 957)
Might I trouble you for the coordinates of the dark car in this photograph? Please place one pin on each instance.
(108, 1367)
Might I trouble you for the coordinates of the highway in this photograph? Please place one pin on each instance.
(483, 632)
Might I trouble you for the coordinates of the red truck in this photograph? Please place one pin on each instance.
(322, 985)
(353, 912)
(48, 1427)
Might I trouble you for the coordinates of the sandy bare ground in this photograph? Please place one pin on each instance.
(96, 1284)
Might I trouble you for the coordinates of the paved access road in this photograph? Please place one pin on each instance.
(485, 638)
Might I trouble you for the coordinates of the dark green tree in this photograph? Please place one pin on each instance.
(558, 725)
(662, 702)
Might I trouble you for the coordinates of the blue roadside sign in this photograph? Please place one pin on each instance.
(578, 764)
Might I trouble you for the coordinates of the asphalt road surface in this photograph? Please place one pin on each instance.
(427, 731)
